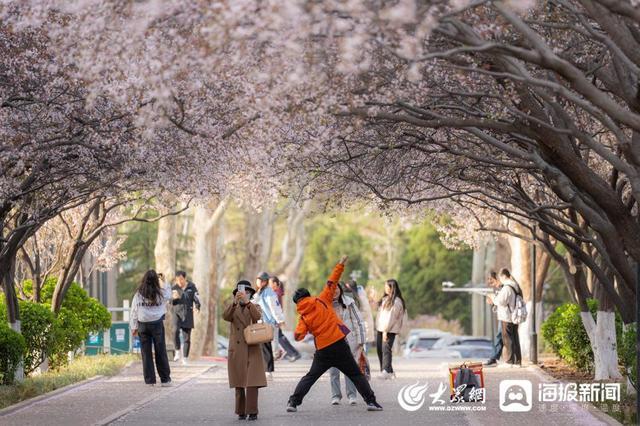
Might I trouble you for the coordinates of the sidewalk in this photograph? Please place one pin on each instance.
(99, 400)
(201, 395)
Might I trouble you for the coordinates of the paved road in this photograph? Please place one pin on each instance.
(201, 396)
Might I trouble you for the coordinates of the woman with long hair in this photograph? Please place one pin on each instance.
(391, 309)
(148, 309)
(292, 354)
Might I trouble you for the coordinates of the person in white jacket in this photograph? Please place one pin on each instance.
(271, 314)
(347, 311)
(148, 309)
(391, 310)
(505, 302)
(361, 299)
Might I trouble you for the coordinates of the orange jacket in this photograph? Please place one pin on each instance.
(317, 316)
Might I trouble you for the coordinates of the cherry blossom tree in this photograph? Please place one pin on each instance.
(501, 114)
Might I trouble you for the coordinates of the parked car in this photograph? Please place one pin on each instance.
(422, 339)
(452, 340)
(452, 346)
(473, 352)
(223, 346)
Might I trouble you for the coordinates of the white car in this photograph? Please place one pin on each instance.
(471, 352)
(420, 340)
(452, 346)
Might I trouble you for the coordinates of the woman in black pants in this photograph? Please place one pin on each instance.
(391, 309)
(148, 309)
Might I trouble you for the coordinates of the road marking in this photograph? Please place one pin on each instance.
(146, 401)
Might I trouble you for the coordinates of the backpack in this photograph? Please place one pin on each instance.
(519, 311)
(466, 377)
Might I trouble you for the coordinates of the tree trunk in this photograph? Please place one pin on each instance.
(258, 238)
(602, 335)
(165, 257)
(205, 221)
(13, 312)
(215, 280)
(293, 245)
(521, 271)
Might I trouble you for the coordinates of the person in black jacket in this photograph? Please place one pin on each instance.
(185, 296)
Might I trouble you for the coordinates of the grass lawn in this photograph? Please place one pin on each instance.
(80, 369)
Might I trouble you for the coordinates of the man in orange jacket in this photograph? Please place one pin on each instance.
(318, 318)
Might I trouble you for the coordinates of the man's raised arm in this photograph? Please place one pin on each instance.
(327, 293)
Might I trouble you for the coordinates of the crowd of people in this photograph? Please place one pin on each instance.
(340, 320)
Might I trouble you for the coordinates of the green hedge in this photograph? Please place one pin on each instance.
(12, 347)
(564, 332)
(37, 324)
(51, 336)
(627, 353)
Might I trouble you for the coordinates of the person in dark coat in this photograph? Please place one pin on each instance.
(245, 364)
(185, 297)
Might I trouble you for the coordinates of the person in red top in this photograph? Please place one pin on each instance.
(332, 350)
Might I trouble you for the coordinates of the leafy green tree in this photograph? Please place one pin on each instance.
(139, 245)
(424, 264)
(328, 240)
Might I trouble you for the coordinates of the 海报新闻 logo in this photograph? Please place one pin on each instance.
(516, 396)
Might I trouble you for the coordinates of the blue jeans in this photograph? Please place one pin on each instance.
(286, 344)
(499, 343)
(334, 373)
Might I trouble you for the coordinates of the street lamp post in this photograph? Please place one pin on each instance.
(534, 334)
(637, 336)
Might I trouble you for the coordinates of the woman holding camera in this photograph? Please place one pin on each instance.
(245, 364)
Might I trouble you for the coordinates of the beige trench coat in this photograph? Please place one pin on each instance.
(245, 364)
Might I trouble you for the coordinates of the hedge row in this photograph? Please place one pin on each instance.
(46, 335)
(565, 334)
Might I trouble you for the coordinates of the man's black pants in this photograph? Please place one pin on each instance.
(336, 355)
(267, 354)
(152, 336)
(511, 341)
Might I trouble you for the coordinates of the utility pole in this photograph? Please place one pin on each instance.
(534, 334)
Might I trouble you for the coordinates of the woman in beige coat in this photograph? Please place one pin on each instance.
(244, 363)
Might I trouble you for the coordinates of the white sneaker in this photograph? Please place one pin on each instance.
(166, 384)
(184, 361)
(384, 375)
(269, 375)
(335, 401)
(352, 401)
(176, 356)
